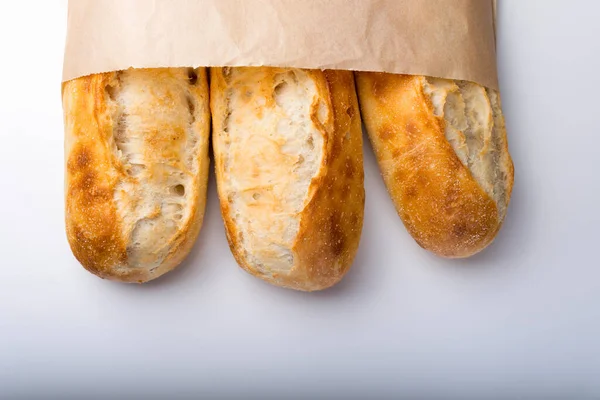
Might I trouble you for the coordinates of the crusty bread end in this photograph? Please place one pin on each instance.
(443, 153)
(288, 154)
(136, 148)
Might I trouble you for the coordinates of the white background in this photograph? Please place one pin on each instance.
(521, 320)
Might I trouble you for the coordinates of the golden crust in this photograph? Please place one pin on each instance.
(330, 223)
(96, 233)
(439, 201)
(90, 177)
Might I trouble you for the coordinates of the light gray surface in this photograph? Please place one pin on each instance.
(522, 320)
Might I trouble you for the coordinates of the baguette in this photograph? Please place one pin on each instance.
(289, 165)
(443, 153)
(136, 150)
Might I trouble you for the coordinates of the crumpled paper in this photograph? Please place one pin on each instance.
(448, 39)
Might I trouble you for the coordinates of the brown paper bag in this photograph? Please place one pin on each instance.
(449, 39)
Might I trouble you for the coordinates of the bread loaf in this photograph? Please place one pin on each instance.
(443, 153)
(136, 149)
(288, 155)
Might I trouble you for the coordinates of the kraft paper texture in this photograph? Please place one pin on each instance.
(450, 39)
